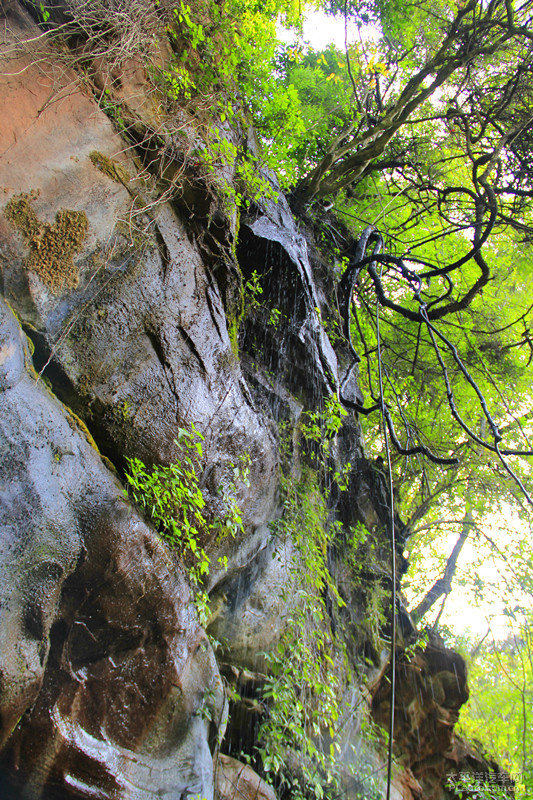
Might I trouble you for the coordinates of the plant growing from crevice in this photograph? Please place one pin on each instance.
(308, 705)
(172, 499)
(307, 667)
(231, 523)
(320, 428)
(360, 555)
(309, 671)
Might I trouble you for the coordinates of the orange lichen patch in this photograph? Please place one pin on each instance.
(51, 247)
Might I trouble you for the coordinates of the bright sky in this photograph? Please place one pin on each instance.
(463, 613)
(320, 29)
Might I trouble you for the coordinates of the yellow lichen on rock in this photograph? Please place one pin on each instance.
(51, 246)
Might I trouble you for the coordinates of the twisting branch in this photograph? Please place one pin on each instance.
(371, 237)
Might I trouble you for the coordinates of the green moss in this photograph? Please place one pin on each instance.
(113, 169)
(233, 331)
(24, 326)
(237, 228)
(51, 247)
(109, 464)
(14, 311)
(78, 424)
(122, 412)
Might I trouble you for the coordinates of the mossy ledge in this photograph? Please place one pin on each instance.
(113, 169)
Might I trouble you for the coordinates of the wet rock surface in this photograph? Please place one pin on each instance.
(140, 346)
(290, 341)
(109, 688)
(144, 287)
(105, 674)
(237, 781)
(431, 687)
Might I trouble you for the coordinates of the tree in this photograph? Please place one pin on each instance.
(462, 40)
(422, 139)
(499, 712)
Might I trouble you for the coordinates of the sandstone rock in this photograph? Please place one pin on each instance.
(430, 688)
(140, 346)
(108, 686)
(237, 781)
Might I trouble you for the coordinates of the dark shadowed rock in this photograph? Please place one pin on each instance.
(292, 345)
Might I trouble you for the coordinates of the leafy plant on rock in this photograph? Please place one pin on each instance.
(172, 499)
(305, 693)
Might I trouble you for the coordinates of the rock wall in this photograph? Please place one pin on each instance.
(122, 322)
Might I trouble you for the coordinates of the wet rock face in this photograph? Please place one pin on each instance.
(107, 683)
(134, 334)
(237, 781)
(287, 337)
(108, 687)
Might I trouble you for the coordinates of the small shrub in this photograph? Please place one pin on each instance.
(172, 499)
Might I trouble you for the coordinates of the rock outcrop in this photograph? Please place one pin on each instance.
(105, 671)
(125, 318)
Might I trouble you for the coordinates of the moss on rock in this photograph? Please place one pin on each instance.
(51, 246)
(113, 169)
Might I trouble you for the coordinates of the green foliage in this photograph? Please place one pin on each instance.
(191, 30)
(231, 523)
(322, 426)
(387, 128)
(253, 291)
(225, 65)
(171, 498)
(311, 104)
(500, 677)
(362, 558)
(237, 173)
(222, 46)
(309, 671)
(231, 60)
(44, 13)
(307, 667)
(403, 23)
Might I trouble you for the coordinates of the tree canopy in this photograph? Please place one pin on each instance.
(420, 136)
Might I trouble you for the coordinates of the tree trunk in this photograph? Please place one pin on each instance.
(443, 586)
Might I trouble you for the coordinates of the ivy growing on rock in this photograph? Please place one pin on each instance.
(172, 499)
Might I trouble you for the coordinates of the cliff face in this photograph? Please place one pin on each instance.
(122, 323)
